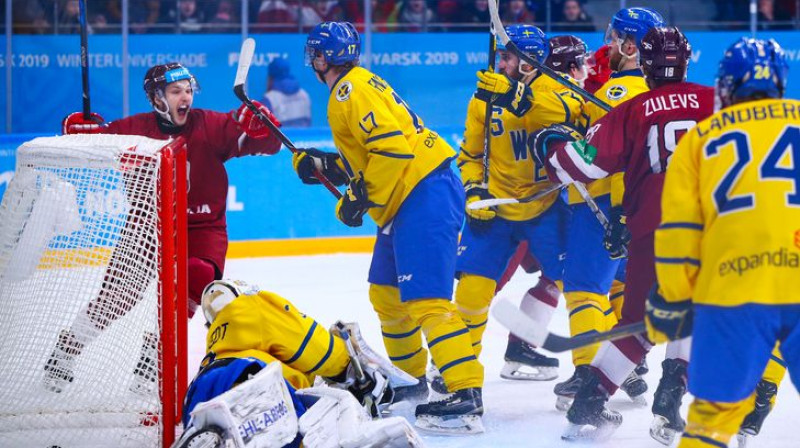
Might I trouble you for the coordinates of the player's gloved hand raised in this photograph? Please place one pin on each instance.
(515, 96)
(480, 218)
(540, 143)
(667, 321)
(308, 161)
(354, 204)
(617, 235)
(251, 124)
(75, 123)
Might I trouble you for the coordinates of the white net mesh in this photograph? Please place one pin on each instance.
(79, 238)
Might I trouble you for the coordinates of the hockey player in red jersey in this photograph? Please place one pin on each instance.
(636, 137)
(212, 139)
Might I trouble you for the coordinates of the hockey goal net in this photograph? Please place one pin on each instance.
(93, 292)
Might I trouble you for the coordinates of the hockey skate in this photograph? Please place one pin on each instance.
(588, 416)
(145, 374)
(642, 369)
(667, 422)
(565, 391)
(635, 387)
(525, 363)
(59, 371)
(412, 394)
(751, 426)
(438, 387)
(457, 414)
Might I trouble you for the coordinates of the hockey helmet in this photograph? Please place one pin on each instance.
(664, 54)
(219, 294)
(159, 76)
(566, 52)
(338, 42)
(529, 39)
(752, 68)
(633, 22)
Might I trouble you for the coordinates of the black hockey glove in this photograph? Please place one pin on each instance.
(617, 235)
(354, 204)
(307, 160)
(481, 218)
(540, 143)
(667, 321)
(514, 96)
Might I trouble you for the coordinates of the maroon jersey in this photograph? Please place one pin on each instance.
(636, 137)
(212, 138)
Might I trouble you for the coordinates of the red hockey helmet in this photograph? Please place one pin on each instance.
(664, 54)
(158, 76)
(566, 52)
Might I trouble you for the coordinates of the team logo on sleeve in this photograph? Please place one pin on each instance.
(616, 92)
(343, 92)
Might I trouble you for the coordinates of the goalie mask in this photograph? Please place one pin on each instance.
(156, 81)
(219, 293)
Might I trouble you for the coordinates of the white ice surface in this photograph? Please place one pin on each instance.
(518, 414)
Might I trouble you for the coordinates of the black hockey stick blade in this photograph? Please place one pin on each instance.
(510, 46)
(527, 329)
(245, 59)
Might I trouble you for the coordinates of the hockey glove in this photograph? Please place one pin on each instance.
(307, 161)
(74, 123)
(515, 96)
(354, 204)
(251, 124)
(540, 142)
(478, 219)
(667, 321)
(617, 235)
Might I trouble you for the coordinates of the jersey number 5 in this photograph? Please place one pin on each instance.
(771, 168)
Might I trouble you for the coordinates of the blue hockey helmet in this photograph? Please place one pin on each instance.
(338, 42)
(633, 22)
(529, 39)
(751, 68)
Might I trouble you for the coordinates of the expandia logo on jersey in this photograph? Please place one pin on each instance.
(780, 258)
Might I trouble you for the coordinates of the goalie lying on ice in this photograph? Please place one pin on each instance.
(263, 354)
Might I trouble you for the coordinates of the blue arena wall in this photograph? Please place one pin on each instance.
(435, 74)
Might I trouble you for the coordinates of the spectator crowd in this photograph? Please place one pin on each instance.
(220, 16)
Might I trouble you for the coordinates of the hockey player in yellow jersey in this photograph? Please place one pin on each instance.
(728, 248)
(493, 234)
(399, 172)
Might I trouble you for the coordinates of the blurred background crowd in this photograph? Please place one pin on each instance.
(292, 16)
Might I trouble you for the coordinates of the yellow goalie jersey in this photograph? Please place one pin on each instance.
(378, 135)
(620, 87)
(268, 327)
(513, 172)
(730, 228)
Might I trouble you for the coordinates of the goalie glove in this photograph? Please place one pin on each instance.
(337, 420)
(478, 219)
(75, 123)
(502, 91)
(617, 236)
(251, 124)
(667, 321)
(307, 160)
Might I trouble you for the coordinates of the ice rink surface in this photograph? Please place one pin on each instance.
(518, 414)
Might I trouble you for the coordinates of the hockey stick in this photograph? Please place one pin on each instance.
(87, 108)
(361, 377)
(245, 59)
(487, 120)
(601, 217)
(510, 46)
(522, 326)
(485, 203)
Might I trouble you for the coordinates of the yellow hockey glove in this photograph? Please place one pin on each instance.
(479, 218)
(515, 96)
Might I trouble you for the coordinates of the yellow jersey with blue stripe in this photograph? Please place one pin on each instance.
(268, 327)
(730, 227)
(380, 137)
(513, 172)
(620, 87)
